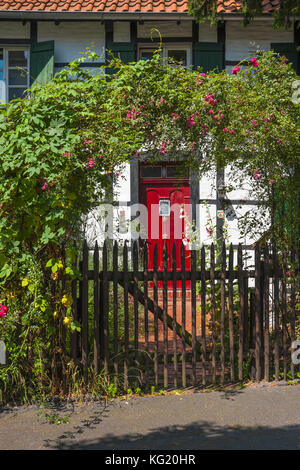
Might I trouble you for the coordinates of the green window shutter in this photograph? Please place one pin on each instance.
(126, 51)
(289, 50)
(208, 55)
(41, 62)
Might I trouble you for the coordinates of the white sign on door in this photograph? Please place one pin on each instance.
(164, 208)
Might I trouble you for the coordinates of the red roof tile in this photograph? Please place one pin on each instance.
(131, 6)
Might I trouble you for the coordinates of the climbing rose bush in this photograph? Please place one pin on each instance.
(62, 145)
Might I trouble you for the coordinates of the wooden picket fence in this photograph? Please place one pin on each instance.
(217, 322)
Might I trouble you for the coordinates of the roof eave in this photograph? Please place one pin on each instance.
(103, 15)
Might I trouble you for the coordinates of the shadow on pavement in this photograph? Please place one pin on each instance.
(201, 435)
(89, 423)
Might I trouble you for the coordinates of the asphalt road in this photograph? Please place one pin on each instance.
(256, 417)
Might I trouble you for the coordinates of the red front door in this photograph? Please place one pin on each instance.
(166, 194)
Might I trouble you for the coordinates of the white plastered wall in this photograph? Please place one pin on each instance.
(242, 42)
(207, 33)
(73, 38)
(14, 30)
(121, 31)
(166, 29)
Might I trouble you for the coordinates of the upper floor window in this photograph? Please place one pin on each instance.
(180, 56)
(171, 53)
(14, 73)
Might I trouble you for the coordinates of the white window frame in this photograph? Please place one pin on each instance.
(6, 50)
(179, 47)
(169, 47)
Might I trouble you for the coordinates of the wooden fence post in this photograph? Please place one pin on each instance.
(276, 311)
(241, 312)
(135, 265)
(293, 310)
(266, 314)
(84, 311)
(246, 316)
(96, 309)
(203, 315)
(105, 311)
(146, 312)
(126, 315)
(75, 318)
(252, 336)
(115, 302)
(183, 311)
(257, 313)
(165, 312)
(213, 310)
(155, 301)
(284, 315)
(193, 300)
(174, 271)
(230, 305)
(223, 301)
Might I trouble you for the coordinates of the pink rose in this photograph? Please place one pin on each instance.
(190, 122)
(235, 70)
(90, 164)
(3, 311)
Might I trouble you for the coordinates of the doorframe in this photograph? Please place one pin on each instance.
(135, 187)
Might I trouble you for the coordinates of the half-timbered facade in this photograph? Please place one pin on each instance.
(43, 36)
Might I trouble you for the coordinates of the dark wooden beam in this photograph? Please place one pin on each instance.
(297, 41)
(33, 30)
(15, 42)
(221, 37)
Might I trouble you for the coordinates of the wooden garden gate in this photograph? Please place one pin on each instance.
(217, 322)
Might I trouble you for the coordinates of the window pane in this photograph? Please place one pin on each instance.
(17, 77)
(1, 64)
(14, 93)
(17, 58)
(178, 56)
(146, 54)
(151, 172)
(177, 172)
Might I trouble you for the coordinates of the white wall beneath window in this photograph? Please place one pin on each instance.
(14, 30)
(243, 41)
(121, 31)
(166, 29)
(122, 188)
(207, 33)
(72, 38)
(207, 187)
